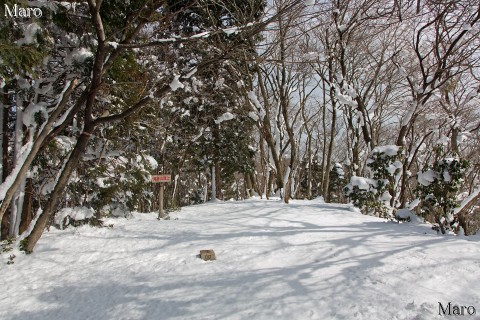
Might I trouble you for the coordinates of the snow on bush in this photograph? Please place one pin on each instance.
(115, 179)
(66, 215)
(375, 195)
(438, 187)
(407, 215)
(361, 192)
(224, 117)
(30, 33)
(176, 84)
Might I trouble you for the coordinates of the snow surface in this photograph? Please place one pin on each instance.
(305, 260)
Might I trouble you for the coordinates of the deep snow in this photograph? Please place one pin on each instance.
(305, 260)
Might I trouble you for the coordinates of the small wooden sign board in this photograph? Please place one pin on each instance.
(207, 255)
(161, 178)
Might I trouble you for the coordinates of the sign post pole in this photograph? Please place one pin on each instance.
(162, 178)
(161, 214)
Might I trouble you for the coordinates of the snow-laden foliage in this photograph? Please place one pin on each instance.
(204, 124)
(70, 75)
(375, 195)
(438, 188)
(68, 216)
(42, 64)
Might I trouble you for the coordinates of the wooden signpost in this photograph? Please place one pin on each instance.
(161, 178)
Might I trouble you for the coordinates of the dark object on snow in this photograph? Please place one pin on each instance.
(207, 255)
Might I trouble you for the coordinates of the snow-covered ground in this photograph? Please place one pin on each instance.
(305, 260)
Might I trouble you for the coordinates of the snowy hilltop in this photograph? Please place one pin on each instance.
(304, 260)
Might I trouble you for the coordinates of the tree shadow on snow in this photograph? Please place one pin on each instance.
(350, 263)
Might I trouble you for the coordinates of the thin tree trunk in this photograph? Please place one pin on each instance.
(4, 226)
(284, 105)
(59, 189)
(17, 200)
(324, 125)
(331, 77)
(269, 184)
(218, 181)
(326, 180)
(256, 184)
(4, 149)
(454, 140)
(249, 185)
(267, 131)
(214, 184)
(175, 191)
(27, 212)
(3, 133)
(4, 146)
(331, 143)
(309, 173)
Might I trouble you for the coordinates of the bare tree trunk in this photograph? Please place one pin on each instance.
(454, 140)
(214, 183)
(326, 180)
(59, 189)
(4, 149)
(27, 212)
(4, 146)
(284, 105)
(4, 226)
(255, 184)
(267, 130)
(249, 185)
(324, 130)
(309, 173)
(269, 184)
(16, 203)
(218, 181)
(3, 133)
(331, 143)
(262, 187)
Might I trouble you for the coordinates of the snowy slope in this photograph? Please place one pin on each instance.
(306, 260)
